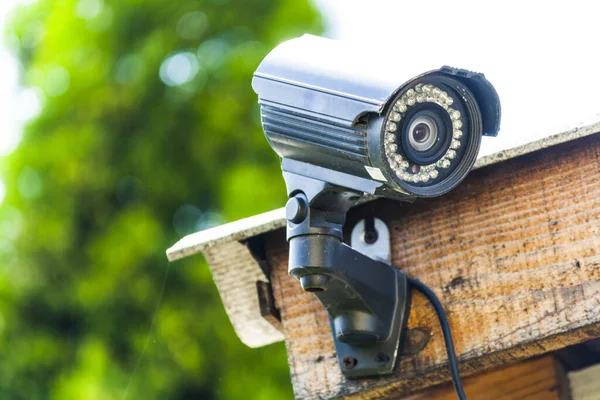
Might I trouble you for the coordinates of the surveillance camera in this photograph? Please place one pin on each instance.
(346, 122)
(342, 113)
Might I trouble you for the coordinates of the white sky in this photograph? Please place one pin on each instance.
(7, 92)
(8, 89)
(542, 57)
(16, 104)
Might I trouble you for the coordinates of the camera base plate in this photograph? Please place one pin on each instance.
(372, 238)
(378, 358)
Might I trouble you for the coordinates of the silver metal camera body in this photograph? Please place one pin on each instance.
(344, 108)
(345, 122)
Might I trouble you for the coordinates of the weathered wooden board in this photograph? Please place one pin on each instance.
(513, 254)
(235, 274)
(537, 379)
(585, 384)
(257, 224)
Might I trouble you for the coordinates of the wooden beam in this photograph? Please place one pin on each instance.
(585, 384)
(255, 225)
(538, 379)
(234, 271)
(513, 254)
(236, 276)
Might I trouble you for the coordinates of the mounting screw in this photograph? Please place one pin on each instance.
(349, 362)
(381, 359)
(370, 236)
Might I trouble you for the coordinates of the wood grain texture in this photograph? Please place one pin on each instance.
(512, 254)
(235, 273)
(536, 379)
(204, 241)
(258, 224)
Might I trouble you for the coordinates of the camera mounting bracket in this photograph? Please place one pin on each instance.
(367, 299)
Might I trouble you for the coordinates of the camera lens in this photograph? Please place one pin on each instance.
(427, 133)
(423, 133)
(431, 135)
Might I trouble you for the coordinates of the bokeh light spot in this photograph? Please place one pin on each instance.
(28, 104)
(89, 9)
(189, 219)
(11, 223)
(10, 135)
(212, 52)
(192, 25)
(129, 189)
(29, 183)
(179, 69)
(2, 191)
(210, 220)
(128, 68)
(33, 34)
(102, 21)
(186, 219)
(57, 81)
(9, 140)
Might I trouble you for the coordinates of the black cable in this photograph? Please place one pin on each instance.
(447, 334)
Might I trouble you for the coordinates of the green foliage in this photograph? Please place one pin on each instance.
(116, 167)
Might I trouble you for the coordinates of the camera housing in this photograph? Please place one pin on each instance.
(331, 105)
(346, 124)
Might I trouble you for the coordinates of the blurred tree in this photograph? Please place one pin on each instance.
(149, 130)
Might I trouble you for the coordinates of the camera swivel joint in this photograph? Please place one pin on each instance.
(367, 300)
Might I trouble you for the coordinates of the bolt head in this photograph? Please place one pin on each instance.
(349, 362)
(381, 359)
(296, 210)
(370, 237)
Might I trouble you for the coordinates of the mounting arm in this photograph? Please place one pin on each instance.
(367, 300)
